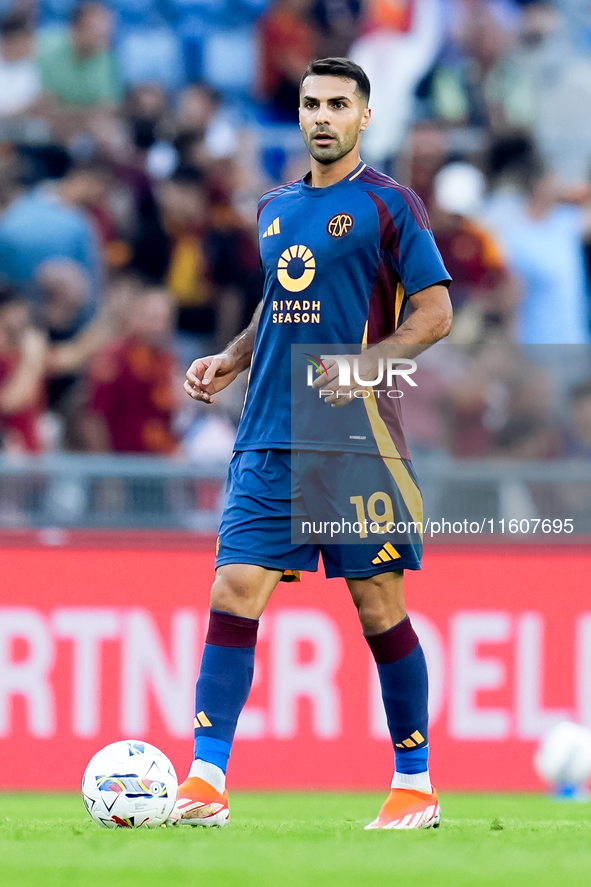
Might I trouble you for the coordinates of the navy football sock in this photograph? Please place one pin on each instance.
(403, 677)
(225, 678)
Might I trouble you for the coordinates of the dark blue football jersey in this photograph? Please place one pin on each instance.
(339, 265)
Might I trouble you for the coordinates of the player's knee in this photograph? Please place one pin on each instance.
(234, 596)
(380, 603)
(375, 618)
(226, 596)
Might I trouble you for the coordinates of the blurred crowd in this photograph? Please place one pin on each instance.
(137, 135)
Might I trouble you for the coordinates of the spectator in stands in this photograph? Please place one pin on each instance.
(131, 395)
(205, 254)
(22, 365)
(77, 66)
(426, 408)
(287, 43)
(51, 221)
(483, 292)
(515, 84)
(481, 33)
(146, 112)
(188, 266)
(20, 80)
(497, 385)
(201, 113)
(572, 498)
(424, 155)
(12, 173)
(544, 85)
(338, 22)
(399, 47)
(542, 237)
(577, 437)
(63, 292)
(527, 437)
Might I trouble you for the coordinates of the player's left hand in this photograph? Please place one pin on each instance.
(340, 395)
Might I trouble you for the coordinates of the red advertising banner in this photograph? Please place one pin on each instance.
(99, 645)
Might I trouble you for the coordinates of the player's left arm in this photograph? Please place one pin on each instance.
(430, 321)
(419, 267)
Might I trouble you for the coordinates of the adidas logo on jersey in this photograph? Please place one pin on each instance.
(388, 553)
(414, 739)
(274, 228)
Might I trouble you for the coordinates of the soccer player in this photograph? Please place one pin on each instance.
(348, 258)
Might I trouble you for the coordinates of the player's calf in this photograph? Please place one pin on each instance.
(402, 669)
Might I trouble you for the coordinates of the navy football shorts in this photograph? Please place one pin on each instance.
(282, 509)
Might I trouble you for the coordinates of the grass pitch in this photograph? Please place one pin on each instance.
(301, 839)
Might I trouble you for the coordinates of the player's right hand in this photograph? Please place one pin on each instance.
(208, 375)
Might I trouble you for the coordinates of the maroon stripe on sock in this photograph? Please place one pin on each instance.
(226, 630)
(393, 644)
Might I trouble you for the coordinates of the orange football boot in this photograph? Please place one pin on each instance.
(198, 803)
(406, 808)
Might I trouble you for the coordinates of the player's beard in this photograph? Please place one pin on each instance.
(340, 147)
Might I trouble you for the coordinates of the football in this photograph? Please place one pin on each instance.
(564, 757)
(129, 784)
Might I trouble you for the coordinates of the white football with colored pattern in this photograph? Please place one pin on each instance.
(129, 784)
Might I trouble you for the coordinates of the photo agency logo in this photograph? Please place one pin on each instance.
(388, 371)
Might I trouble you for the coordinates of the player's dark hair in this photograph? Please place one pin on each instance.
(339, 67)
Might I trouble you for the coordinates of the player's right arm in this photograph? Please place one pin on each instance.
(208, 375)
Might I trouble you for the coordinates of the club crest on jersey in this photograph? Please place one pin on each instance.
(296, 268)
(340, 224)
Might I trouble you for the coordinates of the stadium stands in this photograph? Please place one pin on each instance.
(191, 124)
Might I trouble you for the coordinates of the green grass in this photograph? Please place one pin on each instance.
(301, 839)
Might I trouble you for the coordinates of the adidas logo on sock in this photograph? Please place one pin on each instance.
(388, 553)
(274, 228)
(415, 739)
(201, 720)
